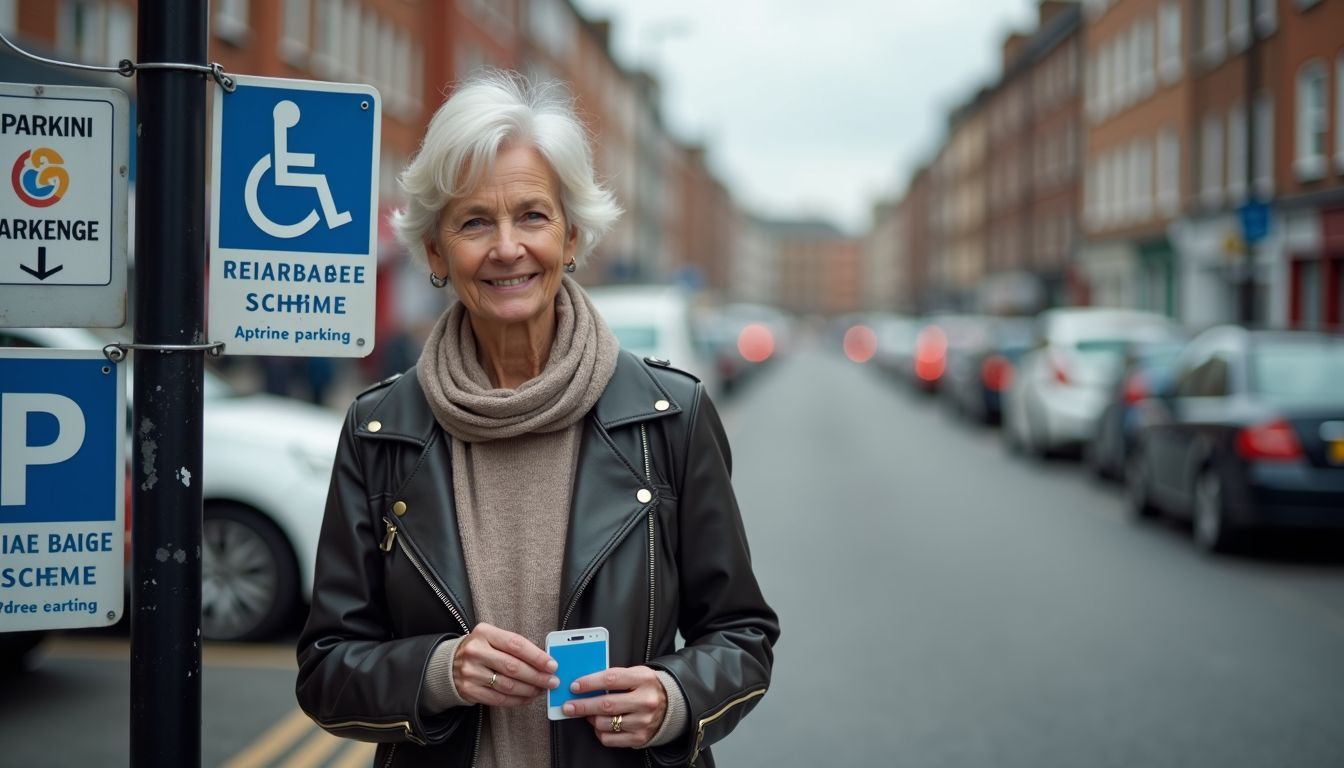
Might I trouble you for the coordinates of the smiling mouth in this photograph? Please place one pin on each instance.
(510, 281)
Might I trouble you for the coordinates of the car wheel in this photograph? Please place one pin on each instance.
(1137, 491)
(249, 581)
(1211, 530)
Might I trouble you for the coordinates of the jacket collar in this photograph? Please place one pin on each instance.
(632, 395)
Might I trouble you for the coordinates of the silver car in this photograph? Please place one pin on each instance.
(1062, 384)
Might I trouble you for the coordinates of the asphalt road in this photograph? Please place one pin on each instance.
(942, 603)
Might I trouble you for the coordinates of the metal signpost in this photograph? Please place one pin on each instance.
(63, 151)
(62, 494)
(293, 218)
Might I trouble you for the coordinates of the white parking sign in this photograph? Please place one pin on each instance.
(293, 218)
(63, 206)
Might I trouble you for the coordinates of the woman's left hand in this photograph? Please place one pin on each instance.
(631, 711)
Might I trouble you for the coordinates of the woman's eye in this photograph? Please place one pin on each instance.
(475, 223)
(534, 216)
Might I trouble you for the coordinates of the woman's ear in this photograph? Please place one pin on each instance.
(437, 263)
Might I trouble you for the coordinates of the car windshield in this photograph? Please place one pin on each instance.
(1299, 371)
(1101, 357)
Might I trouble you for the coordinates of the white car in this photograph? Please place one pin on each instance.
(1061, 386)
(266, 465)
(656, 321)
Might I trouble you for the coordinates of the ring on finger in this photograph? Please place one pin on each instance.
(494, 678)
(616, 724)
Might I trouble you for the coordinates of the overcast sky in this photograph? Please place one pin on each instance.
(813, 107)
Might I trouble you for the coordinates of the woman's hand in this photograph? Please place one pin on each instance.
(630, 713)
(501, 669)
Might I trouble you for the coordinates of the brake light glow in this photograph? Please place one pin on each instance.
(1136, 388)
(997, 373)
(755, 343)
(1058, 370)
(1273, 441)
(931, 353)
(860, 343)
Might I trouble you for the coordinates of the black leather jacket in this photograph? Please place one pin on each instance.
(390, 583)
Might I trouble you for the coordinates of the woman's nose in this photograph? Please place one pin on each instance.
(508, 245)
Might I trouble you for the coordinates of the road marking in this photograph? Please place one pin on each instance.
(314, 751)
(273, 743)
(358, 755)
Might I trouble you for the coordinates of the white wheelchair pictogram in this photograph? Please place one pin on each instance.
(287, 116)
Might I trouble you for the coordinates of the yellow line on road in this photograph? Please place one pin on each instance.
(274, 742)
(314, 751)
(358, 755)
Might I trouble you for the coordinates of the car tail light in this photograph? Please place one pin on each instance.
(1273, 441)
(756, 343)
(931, 353)
(997, 373)
(1136, 388)
(860, 343)
(1058, 370)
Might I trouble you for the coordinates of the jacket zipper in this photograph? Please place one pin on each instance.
(700, 729)
(648, 476)
(573, 603)
(386, 546)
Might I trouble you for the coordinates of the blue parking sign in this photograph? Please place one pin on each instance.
(61, 417)
(296, 171)
(294, 218)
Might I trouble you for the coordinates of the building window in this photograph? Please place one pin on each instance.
(1120, 72)
(294, 32)
(1215, 31)
(1238, 24)
(230, 22)
(1264, 145)
(1147, 57)
(368, 49)
(120, 33)
(1309, 162)
(1339, 112)
(1143, 179)
(1211, 161)
(1236, 155)
(1169, 172)
(1169, 42)
(348, 61)
(1266, 17)
(327, 38)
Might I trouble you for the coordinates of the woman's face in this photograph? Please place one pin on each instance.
(504, 244)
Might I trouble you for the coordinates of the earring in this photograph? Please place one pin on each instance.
(436, 281)
(572, 267)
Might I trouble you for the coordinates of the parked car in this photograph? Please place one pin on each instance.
(657, 321)
(265, 469)
(1252, 436)
(1149, 370)
(1061, 385)
(981, 368)
(743, 338)
(895, 344)
(939, 336)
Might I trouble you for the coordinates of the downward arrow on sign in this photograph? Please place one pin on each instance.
(41, 273)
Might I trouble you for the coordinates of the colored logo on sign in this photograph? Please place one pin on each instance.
(39, 177)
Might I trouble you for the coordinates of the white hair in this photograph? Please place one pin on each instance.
(466, 134)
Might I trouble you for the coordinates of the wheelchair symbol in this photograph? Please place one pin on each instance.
(287, 115)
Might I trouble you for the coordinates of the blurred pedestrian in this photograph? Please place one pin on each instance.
(527, 476)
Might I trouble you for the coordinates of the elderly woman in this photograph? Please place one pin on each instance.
(528, 476)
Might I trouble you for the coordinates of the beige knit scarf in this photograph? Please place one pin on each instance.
(582, 360)
(514, 454)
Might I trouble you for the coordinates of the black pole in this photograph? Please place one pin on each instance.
(1246, 308)
(166, 424)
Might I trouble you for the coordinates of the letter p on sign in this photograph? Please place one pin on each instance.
(16, 455)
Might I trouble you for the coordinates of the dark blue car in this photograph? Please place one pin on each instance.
(1252, 436)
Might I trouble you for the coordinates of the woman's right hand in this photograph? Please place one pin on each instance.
(519, 670)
